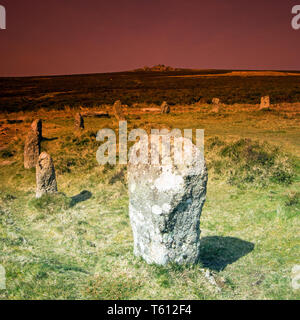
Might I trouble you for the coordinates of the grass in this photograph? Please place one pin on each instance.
(78, 244)
(249, 162)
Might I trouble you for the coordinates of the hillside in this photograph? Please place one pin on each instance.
(177, 87)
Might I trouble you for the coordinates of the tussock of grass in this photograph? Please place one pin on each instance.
(292, 204)
(7, 153)
(120, 176)
(293, 199)
(120, 287)
(248, 162)
(51, 204)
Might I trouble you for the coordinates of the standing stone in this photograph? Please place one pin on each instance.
(215, 101)
(165, 108)
(31, 149)
(216, 105)
(118, 112)
(265, 103)
(165, 207)
(79, 122)
(45, 176)
(37, 126)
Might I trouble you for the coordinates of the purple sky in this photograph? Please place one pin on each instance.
(90, 36)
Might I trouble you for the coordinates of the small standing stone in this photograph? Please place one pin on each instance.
(265, 103)
(45, 176)
(37, 126)
(31, 149)
(79, 122)
(215, 101)
(216, 105)
(118, 112)
(165, 108)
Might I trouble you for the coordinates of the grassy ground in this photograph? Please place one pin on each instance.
(78, 245)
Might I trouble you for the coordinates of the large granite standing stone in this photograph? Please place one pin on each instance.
(31, 149)
(118, 111)
(265, 103)
(45, 176)
(37, 126)
(165, 108)
(79, 122)
(165, 206)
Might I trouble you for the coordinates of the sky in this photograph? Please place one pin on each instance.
(46, 37)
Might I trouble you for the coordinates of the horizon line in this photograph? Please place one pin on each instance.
(140, 70)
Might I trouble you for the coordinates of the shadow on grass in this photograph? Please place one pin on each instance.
(82, 196)
(216, 253)
(49, 139)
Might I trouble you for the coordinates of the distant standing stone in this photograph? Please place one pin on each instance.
(79, 122)
(31, 149)
(165, 108)
(45, 176)
(165, 204)
(37, 126)
(265, 103)
(215, 101)
(118, 111)
(216, 105)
